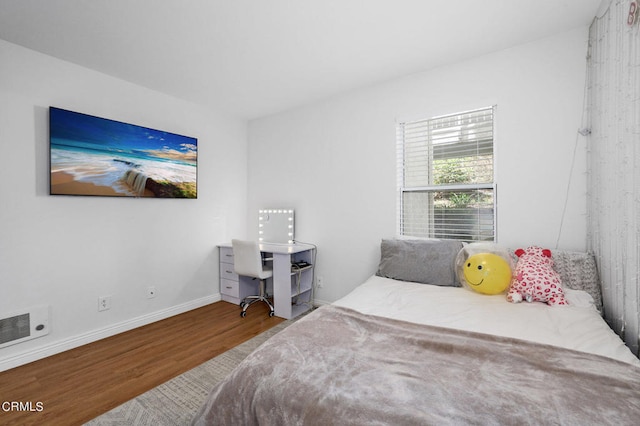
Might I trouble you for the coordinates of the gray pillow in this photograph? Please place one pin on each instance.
(578, 271)
(421, 261)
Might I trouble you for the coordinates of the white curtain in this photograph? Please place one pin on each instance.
(614, 164)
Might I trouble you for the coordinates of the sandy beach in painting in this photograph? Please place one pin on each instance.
(64, 184)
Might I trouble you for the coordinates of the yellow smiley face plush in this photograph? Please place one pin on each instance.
(487, 273)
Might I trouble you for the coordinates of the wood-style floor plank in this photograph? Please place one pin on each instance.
(77, 385)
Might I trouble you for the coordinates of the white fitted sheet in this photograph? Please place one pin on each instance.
(578, 326)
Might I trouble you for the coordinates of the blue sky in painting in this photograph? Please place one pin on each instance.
(89, 132)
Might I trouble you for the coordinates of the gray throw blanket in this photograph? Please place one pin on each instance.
(337, 366)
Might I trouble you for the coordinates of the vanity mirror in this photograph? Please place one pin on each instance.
(276, 226)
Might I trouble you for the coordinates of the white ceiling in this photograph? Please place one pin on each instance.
(258, 57)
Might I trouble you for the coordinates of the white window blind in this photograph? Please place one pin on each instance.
(445, 176)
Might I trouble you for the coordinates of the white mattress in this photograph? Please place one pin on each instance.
(578, 326)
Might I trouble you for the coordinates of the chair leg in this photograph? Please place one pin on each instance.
(261, 297)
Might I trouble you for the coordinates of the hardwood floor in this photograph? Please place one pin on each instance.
(75, 386)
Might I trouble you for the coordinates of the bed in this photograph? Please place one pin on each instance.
(409, 346)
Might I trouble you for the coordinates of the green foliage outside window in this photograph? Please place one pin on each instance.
(453, 171)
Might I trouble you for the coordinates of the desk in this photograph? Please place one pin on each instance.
(292, 290)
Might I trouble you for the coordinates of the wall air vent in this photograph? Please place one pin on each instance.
(24, 325)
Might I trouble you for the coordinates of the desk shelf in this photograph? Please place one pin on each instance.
(290, 298)
(301, 282)
(295, 271)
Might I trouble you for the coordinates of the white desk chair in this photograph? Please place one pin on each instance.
(247, 261)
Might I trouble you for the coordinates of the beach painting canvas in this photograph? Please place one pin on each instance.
(97, 156)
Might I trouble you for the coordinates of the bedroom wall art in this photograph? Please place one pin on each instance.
(96, 156)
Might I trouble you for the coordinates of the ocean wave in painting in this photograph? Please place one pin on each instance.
(110, 169)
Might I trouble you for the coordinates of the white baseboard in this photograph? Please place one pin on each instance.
(92, 336)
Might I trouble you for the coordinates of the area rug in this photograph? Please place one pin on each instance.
(176, 402)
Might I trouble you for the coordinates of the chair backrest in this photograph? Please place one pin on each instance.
(247, 260)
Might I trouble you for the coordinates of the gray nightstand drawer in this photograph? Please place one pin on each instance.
(227, 272)
(230, 288)
(226, 255)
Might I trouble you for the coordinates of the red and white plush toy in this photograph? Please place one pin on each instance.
(534, 279)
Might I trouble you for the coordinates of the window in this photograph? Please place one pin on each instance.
(445, 176)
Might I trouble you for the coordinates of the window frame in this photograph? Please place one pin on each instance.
(433, 188)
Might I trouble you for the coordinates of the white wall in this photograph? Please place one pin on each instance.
(67, 251)
(335, 161)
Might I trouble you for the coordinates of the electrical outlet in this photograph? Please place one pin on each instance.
(319, 282)
(104, 303)
(151, 292)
